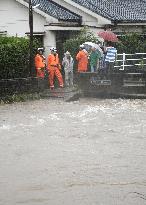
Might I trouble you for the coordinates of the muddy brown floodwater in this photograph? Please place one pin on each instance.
(88, 152)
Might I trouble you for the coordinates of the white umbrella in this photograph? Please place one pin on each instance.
(91, 44)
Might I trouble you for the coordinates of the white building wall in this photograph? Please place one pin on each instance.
(15, 19)
(49, 41)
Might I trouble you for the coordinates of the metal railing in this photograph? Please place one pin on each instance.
(124, 60)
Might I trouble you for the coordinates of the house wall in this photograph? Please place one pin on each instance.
(15, 19)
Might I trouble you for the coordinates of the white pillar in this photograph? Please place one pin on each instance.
(49, 41)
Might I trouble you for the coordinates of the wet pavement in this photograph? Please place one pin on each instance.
(88, 152)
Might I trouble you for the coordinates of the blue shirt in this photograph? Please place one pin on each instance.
(111, 54)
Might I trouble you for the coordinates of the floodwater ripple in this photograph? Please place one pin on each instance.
(92, 151)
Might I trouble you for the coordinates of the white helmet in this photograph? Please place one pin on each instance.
(82, 46)
(40, 49)
(53, 49)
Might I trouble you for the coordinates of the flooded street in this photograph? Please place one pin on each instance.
(88, 152)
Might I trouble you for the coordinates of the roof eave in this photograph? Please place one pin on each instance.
(127, 22)
(45, 15)
(86, 10)
(66, 9)
(79, 21)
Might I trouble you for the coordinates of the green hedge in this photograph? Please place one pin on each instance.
(14, 57)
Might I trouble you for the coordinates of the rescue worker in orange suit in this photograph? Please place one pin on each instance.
(82, 58)
(40, 63)
(54, 68)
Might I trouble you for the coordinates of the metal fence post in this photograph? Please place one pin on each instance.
(123, 65)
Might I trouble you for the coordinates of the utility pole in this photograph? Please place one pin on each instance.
(31, 39)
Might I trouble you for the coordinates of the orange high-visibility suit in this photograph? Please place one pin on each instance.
(40, 65)
(82, 58)
(54, 68)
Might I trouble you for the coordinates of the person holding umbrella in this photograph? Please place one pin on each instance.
(94, 59)
(110, 58)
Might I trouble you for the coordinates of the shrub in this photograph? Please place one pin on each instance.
(14, 57)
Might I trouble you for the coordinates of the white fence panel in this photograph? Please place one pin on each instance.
(123, 60)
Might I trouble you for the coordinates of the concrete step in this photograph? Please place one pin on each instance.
(132, 95)
(134, 83)
(133, 73)
(67, 94)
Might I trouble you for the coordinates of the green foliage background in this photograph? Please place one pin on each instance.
(72, 45)
(128, 42)
(131, 43)
(14, 56)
